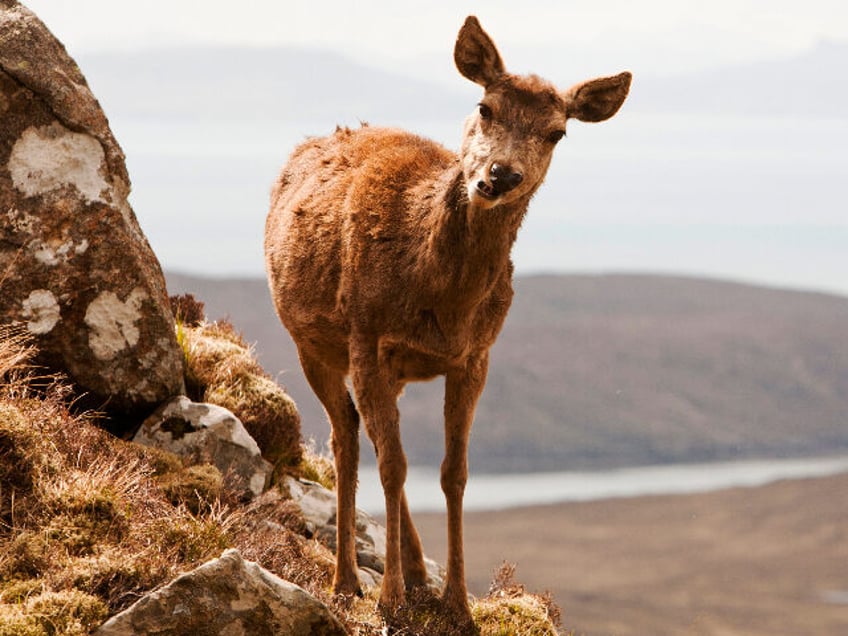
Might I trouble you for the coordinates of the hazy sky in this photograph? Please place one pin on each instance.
(663, 35)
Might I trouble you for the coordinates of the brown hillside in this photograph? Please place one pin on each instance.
(616, 370)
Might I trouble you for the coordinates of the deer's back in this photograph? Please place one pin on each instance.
(345, 237)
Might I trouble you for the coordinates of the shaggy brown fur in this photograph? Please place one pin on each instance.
(389, 261)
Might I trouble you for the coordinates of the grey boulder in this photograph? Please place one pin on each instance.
(208, 434)
(226, 596)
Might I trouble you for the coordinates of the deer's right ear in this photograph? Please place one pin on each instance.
(475, 54)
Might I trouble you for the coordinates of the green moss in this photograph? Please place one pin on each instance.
(222, 369)
(26, 556)
(192, 539)
(18, 591)
(162, 462)
(197, 487)
(85, 515)
(318, 468)
(14, 622)
(20, 448)
(115, 575)
(66, 613)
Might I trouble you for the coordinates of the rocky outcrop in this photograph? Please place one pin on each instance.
(318, 507)
(208, 434)
(226, 596)
(75, 268)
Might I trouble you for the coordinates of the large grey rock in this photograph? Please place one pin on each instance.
(318, 507)
(208, 434)
(75, 267)
(227, 596)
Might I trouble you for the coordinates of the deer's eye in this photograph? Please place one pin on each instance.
(485, 111)
(555, 136)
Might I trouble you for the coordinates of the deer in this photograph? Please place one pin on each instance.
(388, 259)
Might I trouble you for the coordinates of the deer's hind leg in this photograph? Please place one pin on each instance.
(376, 396)
(329, 386)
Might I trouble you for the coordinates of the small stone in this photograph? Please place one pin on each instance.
(208, 434)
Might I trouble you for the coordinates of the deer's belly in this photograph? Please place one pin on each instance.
(409, 364)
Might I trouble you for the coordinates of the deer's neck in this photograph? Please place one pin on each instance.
(474, 245)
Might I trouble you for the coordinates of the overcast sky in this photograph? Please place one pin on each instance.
(660, 35)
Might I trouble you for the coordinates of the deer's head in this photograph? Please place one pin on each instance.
(509, 140)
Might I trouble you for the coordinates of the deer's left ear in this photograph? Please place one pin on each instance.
(597, 99)
(476, 55)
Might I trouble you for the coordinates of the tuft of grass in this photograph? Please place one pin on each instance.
(187, 310)
(509, 610)
(65, 613)
(317, 466)
(221, 368)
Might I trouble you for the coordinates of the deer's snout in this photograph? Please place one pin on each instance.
(504, 177)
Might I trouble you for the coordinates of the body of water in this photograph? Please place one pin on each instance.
(493, 492)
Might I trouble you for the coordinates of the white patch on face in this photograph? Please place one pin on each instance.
(112, 323)
(47, 158)
(41, 310)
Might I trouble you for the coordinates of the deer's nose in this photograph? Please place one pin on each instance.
(504, 178)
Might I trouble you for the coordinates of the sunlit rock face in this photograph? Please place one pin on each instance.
(76, 271)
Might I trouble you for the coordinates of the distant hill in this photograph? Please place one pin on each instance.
(601, 371)
(301, 84)
(802, 85)
(283, 83)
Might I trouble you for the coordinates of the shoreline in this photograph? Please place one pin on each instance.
(486, 492)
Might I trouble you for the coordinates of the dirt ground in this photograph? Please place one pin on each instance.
(756, 561)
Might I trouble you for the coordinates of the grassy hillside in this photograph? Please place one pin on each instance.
(595, 371)
(90, 523)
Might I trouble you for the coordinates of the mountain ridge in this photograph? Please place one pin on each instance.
(304, 84)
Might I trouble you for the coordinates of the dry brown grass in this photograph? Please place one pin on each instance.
(89, 523)
(509, 609)
(86, 527)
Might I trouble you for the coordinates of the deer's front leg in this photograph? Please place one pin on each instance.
(376, 396)
(463, 387)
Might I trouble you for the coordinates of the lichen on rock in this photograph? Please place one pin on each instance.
(112, 322)
(48, 157)
(41, 311)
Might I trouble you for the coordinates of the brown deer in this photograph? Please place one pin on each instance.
(389, 262)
